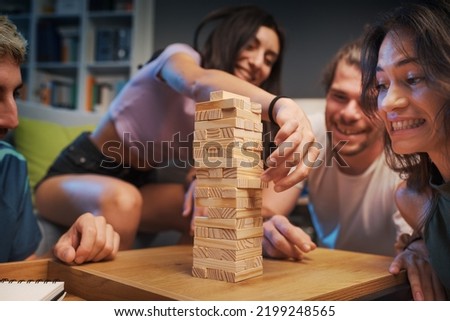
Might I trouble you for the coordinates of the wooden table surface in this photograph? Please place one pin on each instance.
(164, 273)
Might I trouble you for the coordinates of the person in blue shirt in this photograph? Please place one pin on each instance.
(90, 238)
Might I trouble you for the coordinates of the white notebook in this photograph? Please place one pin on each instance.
(39, 290)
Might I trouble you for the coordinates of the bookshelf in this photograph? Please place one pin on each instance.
(81, 52)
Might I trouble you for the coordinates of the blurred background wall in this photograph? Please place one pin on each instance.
(314, 30)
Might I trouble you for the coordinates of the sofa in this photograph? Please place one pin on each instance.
(42, 133)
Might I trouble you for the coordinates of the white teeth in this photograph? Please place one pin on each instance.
(347, 131)
(407, 124)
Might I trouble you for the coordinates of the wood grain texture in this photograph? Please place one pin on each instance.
(226, 192)
(230, 122)
(227, 133)
(213, 114)
(239, 202)
(166, 274)
(222, 94)
(242, 182)
(228, 212)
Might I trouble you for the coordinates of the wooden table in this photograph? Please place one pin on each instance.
(164, 273)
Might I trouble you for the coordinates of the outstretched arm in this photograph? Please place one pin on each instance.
(90, 238)
(295, 139)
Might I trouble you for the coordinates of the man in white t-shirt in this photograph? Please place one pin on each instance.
(351, 189)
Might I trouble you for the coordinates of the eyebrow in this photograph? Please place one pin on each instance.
(400, 63)
(269, 52)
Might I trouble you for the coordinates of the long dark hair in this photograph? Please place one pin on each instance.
(235, 26)
(430, 24)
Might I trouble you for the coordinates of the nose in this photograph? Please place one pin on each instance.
(256, 59)
(391, 99)
(352, 111)
(9, 116)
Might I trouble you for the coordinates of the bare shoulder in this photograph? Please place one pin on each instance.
(411, 204)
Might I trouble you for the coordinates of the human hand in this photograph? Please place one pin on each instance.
(90, 238)
(189, 207)
(425, 284)
(295, 147)
(285, 240)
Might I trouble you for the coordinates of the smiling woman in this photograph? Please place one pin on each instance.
(409, 107)
(406, 82)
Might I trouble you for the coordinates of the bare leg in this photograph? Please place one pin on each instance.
(62, 199)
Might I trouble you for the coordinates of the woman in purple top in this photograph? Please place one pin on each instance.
(132, 168)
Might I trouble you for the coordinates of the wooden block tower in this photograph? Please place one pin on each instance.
(227, 155)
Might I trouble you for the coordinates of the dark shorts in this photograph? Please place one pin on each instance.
(83, 157)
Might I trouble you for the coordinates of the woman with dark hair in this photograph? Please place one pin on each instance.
(133, 168)
(406, 82)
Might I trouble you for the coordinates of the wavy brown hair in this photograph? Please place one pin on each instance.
(429, 23)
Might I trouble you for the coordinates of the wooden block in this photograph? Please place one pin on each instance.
(213, 114)
(241, 202)
(226, 192)
(215, 150)
(199, 272)
(222, 94)
(247, 144)
(256, 108)
(230, 122)
(228, 244)
(223, 162)
(229, 103)
(232, 182)
(237, 172)
(257, 127)
(229, 266)
(230, 212)
(226, 254)
(200, 135)
(209, 172)
(230, 277)
(237, 223)
(226, 148)
(227, 234)
(226, 133)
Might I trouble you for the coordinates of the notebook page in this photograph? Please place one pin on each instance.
(11, 290)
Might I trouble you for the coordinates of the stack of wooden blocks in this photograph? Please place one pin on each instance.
(227, 155)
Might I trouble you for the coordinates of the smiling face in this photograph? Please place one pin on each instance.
(345, 119)
(10, 83)
(255, 61)
(406, 102)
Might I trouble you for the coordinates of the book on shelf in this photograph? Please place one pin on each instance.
(31, 290)
(57, 43)
(100, 92)
(112, 44)
(60, 93)
(48, 42)
(111, 5)
(69, 43)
